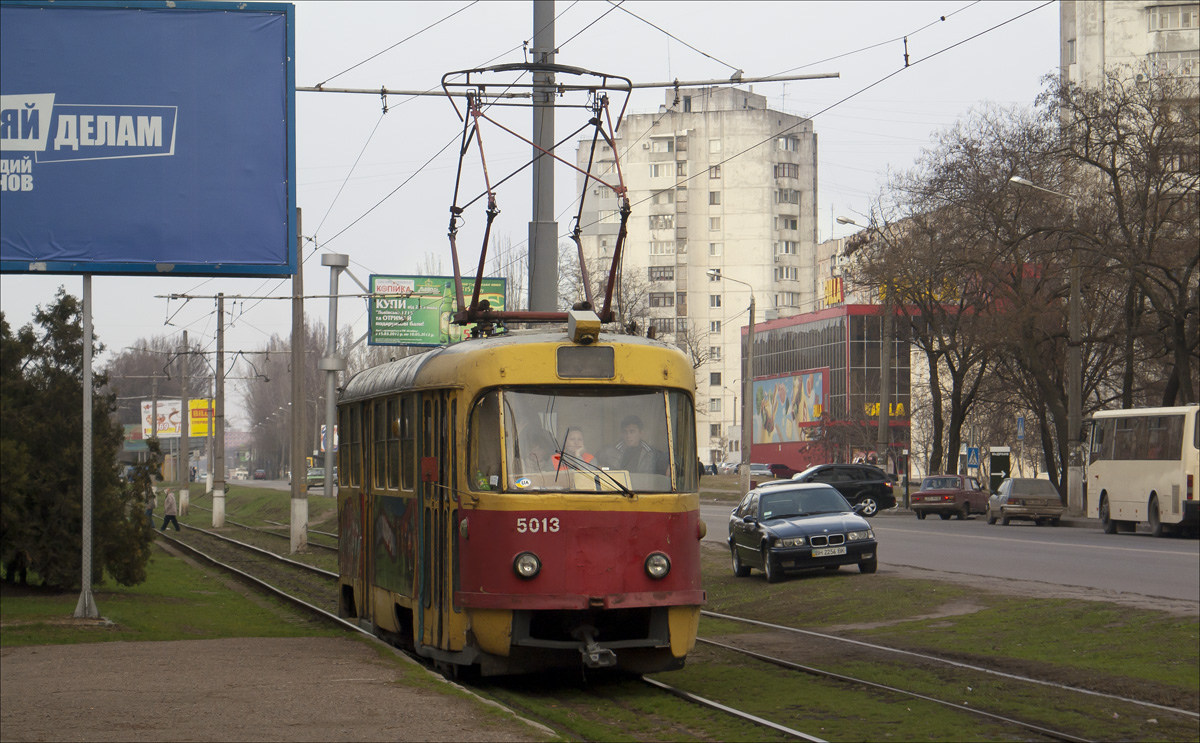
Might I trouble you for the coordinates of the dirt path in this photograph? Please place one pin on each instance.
(252, 689)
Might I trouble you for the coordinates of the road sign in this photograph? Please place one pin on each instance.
(973, 456)
(1020, 428)
(999, 464)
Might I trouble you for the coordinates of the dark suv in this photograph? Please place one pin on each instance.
(860, 483)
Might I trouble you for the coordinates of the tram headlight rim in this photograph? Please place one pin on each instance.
(662, 565)
(533, 564)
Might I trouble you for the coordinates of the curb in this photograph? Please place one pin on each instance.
(1074, 522)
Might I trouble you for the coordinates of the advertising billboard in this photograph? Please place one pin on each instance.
(418, 309)
(147, 138)
(200, 415)
(170, 418)
(788, 408)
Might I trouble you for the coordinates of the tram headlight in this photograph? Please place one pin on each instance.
(658, 565)
(527, 565)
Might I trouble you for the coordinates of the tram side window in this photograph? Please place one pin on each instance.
(343, 454)
(379, 426)
(393, 444)
(350, 446)
(484, 443)
(408, 443)
(683, 434)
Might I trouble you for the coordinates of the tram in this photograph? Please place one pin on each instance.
(525, 501)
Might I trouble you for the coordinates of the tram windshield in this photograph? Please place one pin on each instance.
(583, 439)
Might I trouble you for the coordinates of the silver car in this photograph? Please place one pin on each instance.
(1025, 498)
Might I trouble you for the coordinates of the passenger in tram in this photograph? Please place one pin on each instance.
(633, 453)
(538, 447)
(574, 448)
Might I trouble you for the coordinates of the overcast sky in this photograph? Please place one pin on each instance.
(859, 140)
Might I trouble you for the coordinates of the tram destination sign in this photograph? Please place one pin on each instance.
(416, 310)
(147, 137)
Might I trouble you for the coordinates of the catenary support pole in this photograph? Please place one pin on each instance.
(748, 401)
(218, 463)
(185, 449)
(543, 229)
(86, 608)
(331, 365)
(299, 517)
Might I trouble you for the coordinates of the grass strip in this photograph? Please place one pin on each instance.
(178, 601)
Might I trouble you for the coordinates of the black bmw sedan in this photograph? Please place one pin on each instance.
(789, 526)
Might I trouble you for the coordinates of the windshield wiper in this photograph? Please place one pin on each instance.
(597, 473)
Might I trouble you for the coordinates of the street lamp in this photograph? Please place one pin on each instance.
(1074, 363)
(747, 385)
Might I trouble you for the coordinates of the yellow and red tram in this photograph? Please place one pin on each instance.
(475, 534)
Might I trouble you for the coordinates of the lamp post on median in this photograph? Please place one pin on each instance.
(747, 385)
(1074, 362)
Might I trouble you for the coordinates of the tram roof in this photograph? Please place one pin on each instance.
(405, 373)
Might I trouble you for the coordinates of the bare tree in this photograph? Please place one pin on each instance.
(1131, 145)
(267, 397)
(631, 291)
(132, 372)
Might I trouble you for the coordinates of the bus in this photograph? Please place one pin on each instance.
(1143, 465)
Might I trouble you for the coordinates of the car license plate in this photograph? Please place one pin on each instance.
(828, 551)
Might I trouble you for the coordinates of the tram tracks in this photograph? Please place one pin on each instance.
(310, 586)
(311, 543)
(277, 576)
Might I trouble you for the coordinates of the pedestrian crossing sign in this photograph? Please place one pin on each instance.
(973, 456)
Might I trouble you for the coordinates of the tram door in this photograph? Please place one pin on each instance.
(437, 474)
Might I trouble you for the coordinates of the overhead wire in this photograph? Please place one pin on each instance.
(617, 5)
(398, 43)
(676, 38)
(876, 45)
(865, 88)
(313, 238)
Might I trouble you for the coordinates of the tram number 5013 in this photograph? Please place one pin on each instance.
(535, 525)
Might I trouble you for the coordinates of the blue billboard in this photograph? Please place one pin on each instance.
(147, 138)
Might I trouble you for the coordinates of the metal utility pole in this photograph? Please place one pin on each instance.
(748, 400)
(332, 363)
(543, 230)
(218, 463)
(1074, 463)
(185, 448)
(299, 518)
(86, 607)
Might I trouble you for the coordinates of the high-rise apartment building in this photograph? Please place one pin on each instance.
(718, 182)
(1161, 38)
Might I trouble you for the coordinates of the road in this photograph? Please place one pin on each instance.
(1084, 558)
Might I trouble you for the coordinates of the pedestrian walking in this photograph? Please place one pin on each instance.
(170, 512)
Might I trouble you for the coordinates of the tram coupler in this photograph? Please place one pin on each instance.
(594, 656)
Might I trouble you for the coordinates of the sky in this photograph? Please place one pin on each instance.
(372, 186)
